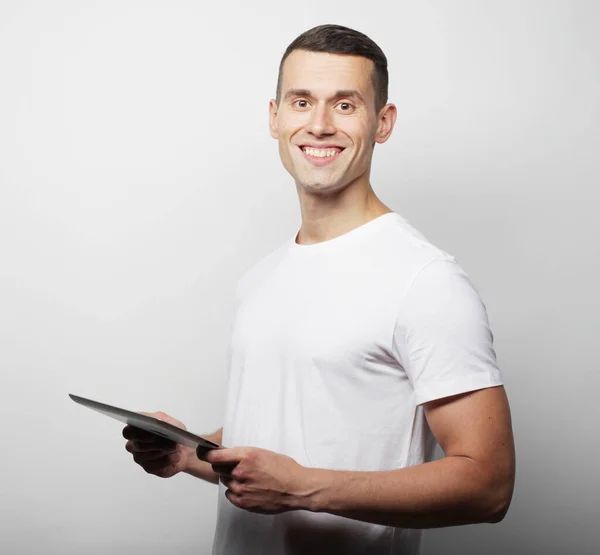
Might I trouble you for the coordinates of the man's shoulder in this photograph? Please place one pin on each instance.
(400, 245)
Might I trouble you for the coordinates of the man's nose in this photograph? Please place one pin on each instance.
(321, 122)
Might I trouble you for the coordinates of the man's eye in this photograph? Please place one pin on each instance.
(301, 103)
(345, 106)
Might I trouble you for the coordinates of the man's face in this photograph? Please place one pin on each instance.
(326, 122)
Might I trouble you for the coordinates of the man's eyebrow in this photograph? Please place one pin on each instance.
(350, 93)
(344, 93)
(297, 92)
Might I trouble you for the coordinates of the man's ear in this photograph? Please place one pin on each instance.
(273, 119)
(387, 119)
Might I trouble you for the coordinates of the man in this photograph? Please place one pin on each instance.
(355, 346)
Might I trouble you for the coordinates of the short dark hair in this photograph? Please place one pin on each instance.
(336, 39)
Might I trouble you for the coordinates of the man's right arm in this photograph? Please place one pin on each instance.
(203, 470)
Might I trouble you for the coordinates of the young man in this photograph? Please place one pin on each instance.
(355, 346)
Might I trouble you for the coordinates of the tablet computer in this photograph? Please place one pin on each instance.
(150, 424)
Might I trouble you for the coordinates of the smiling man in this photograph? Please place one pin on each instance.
(356, 345)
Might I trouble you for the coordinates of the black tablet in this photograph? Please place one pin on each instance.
(148, 423)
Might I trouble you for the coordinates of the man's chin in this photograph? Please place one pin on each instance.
(320, 187)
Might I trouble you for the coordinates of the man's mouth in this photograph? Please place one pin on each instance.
(321, 156)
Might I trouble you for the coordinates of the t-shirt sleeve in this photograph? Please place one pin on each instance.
(442, 337)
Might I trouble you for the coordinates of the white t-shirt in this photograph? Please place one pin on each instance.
(334, 348)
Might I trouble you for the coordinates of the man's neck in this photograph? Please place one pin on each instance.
(328, 217)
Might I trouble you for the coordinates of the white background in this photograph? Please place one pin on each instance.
(138, 181)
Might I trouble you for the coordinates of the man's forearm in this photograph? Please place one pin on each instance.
(201, 469)
(448, 492)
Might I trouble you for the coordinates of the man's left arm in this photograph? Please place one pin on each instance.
(472, 484)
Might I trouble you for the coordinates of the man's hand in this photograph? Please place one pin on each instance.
(259, 480)
(156, 455)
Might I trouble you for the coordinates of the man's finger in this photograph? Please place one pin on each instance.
(165, 446)
(131, 432)
(148, 456)
(223, 469)
(142, 436)
(161, 464)
(230, 456)
(225, 480)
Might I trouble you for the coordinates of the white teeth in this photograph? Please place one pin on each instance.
(320, 153)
